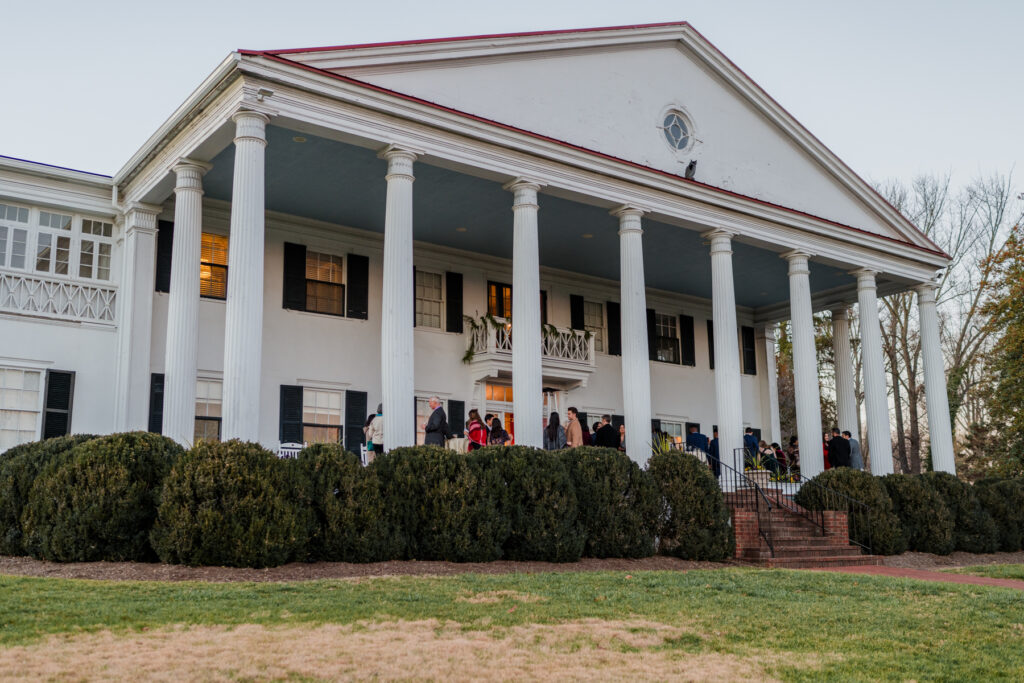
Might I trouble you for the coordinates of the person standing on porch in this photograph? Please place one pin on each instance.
(497, 436)
(750, 444)
(838, 450)
(375, 434)
(606, 435)
(713, 454)
(554, 434)
(573, 430)
(856, 458)
(476, 431)
(694, 439)
(435, 429)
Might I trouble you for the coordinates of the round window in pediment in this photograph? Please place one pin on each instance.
(677, 130)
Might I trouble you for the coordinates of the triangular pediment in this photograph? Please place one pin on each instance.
(610, 90)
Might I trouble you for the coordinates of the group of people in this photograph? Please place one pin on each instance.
(489, 432)
(841, 450)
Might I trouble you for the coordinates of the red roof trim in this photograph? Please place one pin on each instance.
(563, 143)
(485, 36)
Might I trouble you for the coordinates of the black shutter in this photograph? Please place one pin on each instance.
(359, 287)
(453, 302)
(543, 307)
(164, 244)
(711, 344)
(355, 418)
(457, 417)
(614, 329)
(294, 277)
(60, 388)
(749, 353)
(582, 417)
(414, 296)
(655, 426)
(576, 318)
(156, 402)
(618, 421)
(291, 414)
(652, 335)
(689, 351)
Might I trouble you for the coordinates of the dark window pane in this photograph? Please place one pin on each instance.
(324, 297)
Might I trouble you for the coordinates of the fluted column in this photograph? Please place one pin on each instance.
(876, 399)
(636, 367)
(527, 380)
(767, 337)
(138, 252)
(397, 308)
(846, 397)
(243, 320)
(183, 304)
(728, 392)
(805, 365)
(940, 434)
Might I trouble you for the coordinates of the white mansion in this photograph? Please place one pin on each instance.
(266, 268)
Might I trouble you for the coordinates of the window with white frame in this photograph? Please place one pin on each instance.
(13, 235)
(321, 415)
(325, 292)
(20, 406)
(666, 338)
(94, 249)
(428, 299)
(208, 410)
(675, 430)
(213, 266)
(53, 243)
(593, 322)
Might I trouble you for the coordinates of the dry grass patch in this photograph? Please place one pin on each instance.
(493, 597)
(402, 650)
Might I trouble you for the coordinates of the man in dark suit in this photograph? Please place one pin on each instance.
(750, 445)
(838, 450)
(694, 439)
(436, 428)
(607, 436)
(713, 456)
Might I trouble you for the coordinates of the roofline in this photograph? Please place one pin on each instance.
(484, 36)
(457, 112)
(54, 171)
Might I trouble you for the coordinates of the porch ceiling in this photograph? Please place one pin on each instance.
(340, 183)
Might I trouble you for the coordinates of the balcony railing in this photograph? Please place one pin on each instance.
(557, 344)
(47, 297)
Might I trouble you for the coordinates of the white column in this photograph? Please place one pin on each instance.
(243, 320)
(940, 434)
(636, 364)
(138, 272)
(805, 365)
(397, 309)
(527, 379)
(766, 338)
(876, 399)
(183, 304)
(728, 392)
(846, 397)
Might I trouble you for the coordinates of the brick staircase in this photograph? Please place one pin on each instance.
(798, 542)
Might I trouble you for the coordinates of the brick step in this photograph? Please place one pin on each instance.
(802, 552)
(821, 562)
(816, 542)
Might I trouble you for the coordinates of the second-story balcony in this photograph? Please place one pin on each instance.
(567, 355)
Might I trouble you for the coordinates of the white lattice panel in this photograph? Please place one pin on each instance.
(50, 298)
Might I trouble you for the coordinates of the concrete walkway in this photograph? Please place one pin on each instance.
(926, 575)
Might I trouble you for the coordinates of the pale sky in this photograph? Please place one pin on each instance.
(893, 87)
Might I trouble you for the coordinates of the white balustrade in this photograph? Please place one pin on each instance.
(557, 343)
(48, 297)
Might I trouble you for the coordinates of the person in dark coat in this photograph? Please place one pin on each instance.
(750, 445)
(694, 439)
(713, 456)
(436, 427)
(838, 450)
(607, 436)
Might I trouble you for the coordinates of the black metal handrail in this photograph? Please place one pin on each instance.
(858, 514)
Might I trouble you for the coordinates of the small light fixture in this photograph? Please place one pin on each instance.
(460, 229)
(587, 235)
(298, 138)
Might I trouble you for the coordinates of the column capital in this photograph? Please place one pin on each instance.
(865, 278)
(625, 210)
(629, 219)
(395, 151)
(141, 217)
(798, 261)
(400, 160)
(250, 125)
(719, 239)
(841, 313)
(523, 183)
(926, 292)
(190, 174)
(524, 192)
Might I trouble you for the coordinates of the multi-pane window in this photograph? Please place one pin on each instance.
(208, 410)
(498, 392)
(20, 405)
(499, 300)
(325, 292)
(94, 251)
(428, 299)
(666, 338)
(213, 266)
(593, 322)
(53, 246)
(13, 235)
(321, 416)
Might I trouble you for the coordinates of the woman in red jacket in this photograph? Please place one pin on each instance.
(476, 431)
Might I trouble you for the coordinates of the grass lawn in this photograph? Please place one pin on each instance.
(725, 624)
(995, 571)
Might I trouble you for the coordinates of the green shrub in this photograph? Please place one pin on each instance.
(880, 528)
(926, 521)
(230, 503)
(539, 504)
(349, 521)
(98, 501)
(693, 520)
(975, 531)
(617, 502)
(1003, 499)
(441, 505)
(19, 467)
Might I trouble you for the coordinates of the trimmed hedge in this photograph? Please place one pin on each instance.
(349, 521)
(441, 505)
(1003, 499)
(693, 520)
(975, 530)
(618, 503)
(926, 521)
(880, 529)
(232, 503)
(98, 501)
(19, 467)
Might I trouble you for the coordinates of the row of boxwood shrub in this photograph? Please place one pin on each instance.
(933, 512)
(139, 496)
